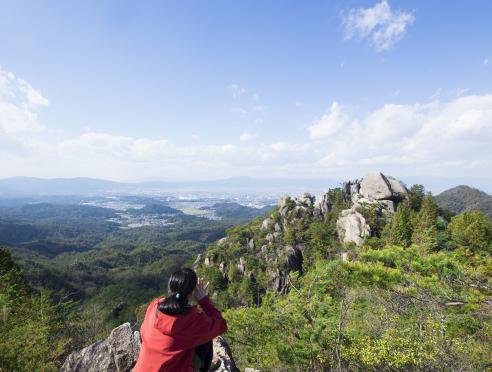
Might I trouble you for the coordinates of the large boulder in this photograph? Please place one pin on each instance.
(375, 186)
(119, 353)
(398, 189)
(352, 227)
(375, 190)
(124, 344)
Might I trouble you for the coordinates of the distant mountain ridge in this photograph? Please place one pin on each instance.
(465, 198)
(55, 186)
(238, 212)
(29, 186)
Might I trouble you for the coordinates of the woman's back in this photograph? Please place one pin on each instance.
(169, 341)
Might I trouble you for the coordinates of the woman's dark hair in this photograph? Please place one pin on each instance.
(180, 285)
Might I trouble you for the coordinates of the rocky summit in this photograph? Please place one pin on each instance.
(278, 242)
(375, 190)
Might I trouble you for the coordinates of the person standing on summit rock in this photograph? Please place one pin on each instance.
(175, 335)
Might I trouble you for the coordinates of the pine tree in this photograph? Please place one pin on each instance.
(400, 229)
(471, 229)
(416, 197)
(425, 224)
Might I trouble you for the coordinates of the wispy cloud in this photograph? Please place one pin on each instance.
(18, 104)
(247, 136)
(382, 26)
(236, 91)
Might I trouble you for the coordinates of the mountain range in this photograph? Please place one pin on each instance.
(29, 186)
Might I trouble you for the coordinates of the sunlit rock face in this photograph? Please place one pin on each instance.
(375, 190)
(352, 227)
(117, 353)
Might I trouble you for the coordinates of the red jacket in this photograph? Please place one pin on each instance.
(169, 341)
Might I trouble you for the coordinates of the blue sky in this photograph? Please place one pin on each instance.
(132, 90)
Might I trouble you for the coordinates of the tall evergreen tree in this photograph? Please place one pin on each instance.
(400, 229)
(416, 197)
(425, 224)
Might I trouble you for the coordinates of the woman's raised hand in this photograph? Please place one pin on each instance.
(200, 290)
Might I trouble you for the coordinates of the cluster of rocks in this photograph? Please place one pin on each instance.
(375, 190)
(119, 353)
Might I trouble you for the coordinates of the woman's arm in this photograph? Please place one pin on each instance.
(207, 325)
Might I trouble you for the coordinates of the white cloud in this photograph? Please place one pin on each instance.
(236, 91)
(486, 61)
(332, 122)
(247, 136)
(433, 138)
(256, 112)
(239, 111)
(18, 104)
(380, 24)
(256, 97)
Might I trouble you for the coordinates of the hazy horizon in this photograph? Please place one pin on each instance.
(432, 184)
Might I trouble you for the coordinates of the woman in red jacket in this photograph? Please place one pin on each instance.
(176, 336)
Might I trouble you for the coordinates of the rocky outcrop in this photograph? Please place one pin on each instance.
(375, 190)
(294, 258)
(267, 223)
(222, 360)
(119, 353)
(278, 239)
(352, 227)
(376, 186)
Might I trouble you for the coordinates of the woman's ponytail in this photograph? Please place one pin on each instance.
(180, 285)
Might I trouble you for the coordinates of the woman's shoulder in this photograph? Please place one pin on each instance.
(156, 301)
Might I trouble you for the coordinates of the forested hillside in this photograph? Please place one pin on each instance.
(77, 253)
(465, 198)
(90, 267)
(371, 277)
(35, 329)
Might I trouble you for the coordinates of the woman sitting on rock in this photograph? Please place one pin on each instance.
(176, 336)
